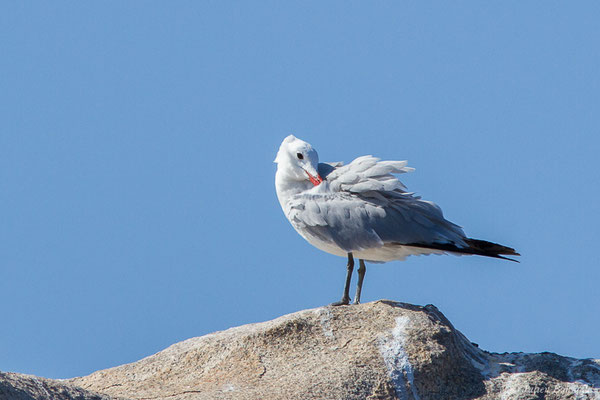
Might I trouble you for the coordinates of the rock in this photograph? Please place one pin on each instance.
(28, 387)
(380, 350)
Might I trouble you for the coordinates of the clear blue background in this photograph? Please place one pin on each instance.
(138, 206)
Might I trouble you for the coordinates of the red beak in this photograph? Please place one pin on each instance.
(315, 181)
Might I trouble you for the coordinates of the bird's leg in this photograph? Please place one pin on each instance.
(362, 269)
(346, 297)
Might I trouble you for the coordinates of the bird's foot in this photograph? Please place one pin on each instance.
(343, 302)
(356, 301)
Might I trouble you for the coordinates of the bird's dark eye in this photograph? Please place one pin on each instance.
(300, 156)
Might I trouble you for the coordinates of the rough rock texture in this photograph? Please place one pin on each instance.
(26, 387)
(380, 350)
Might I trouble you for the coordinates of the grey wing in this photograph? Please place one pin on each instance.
(336, 219)
(367, 207)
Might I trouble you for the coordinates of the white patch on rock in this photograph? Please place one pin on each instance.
(512, 387)
(396, 360)
(229, 388)
(325, 321)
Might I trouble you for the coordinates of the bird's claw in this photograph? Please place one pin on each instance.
(343, 302)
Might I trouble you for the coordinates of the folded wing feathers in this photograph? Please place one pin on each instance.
(389, 215)
(314, 216)
(348, 178)
(367, 174)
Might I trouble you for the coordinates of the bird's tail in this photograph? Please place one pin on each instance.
(489, 249)
(476, 247)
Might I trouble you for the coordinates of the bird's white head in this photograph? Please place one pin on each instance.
(297, 161)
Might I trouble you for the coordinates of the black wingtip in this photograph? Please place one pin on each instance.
(507, 258)
(476, 247)
(490, 249)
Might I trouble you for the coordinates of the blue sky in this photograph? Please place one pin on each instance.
(138, 205)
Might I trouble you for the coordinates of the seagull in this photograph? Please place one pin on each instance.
(362, 210)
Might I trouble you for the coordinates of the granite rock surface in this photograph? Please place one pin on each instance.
(379, 350)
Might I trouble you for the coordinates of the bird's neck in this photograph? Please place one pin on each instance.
(286, 186)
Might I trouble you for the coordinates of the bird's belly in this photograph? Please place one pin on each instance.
(394, 252)
(385, 253)
(328, 247)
